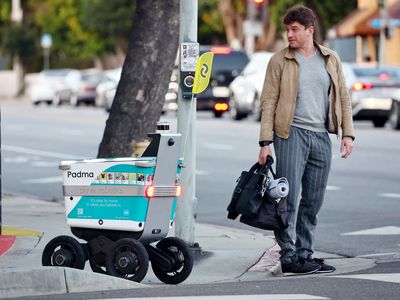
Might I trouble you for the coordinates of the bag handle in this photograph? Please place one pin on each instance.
(260, 168)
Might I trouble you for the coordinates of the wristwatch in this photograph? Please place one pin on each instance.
(264, 143)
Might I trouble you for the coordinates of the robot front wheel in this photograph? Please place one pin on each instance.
(180, 258)
(64, 251)
(128, 259)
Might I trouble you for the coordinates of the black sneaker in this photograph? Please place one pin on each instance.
(300, 267)
(324, 267)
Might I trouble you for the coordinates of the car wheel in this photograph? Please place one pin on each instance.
(257, 108)
(74, 100)
(379, 122)
(56, 100)
(394, 117)
(235, 115)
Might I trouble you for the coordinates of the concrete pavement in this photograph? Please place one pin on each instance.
(227, 255)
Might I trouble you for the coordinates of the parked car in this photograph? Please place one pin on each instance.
(78, 87)
(245, 90)
(170, 98)
(47, 83)
(394, 115)
(371, 88)
(109, 81)
(227, 64)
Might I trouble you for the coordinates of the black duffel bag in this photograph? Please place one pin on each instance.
(248, 194)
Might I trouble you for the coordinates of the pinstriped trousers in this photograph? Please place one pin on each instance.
(305, 160)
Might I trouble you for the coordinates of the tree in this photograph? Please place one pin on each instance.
(145, 76)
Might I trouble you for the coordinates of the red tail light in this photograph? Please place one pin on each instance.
(150, 190)
(221, 106)
(358, 86)
(220, 50)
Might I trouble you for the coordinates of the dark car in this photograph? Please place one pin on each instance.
(371, 88)
(227, 64)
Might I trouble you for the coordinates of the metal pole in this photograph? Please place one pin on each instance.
(382, 36)
(1, 198)
(46, 57)
(249, 41)
(186, 206)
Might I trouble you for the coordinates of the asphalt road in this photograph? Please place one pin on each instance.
(360, 216)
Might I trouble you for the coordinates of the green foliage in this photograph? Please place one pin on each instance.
(18, 40)
(211, 29)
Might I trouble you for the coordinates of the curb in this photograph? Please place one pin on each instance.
(56, 280)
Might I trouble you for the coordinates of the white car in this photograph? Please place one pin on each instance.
(109, 82)
(46, 85)
(245, 89)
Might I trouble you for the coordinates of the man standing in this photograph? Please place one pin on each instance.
(304, 97)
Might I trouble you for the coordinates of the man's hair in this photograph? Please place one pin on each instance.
(300, 14)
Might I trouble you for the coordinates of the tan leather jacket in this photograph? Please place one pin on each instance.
(278, 98)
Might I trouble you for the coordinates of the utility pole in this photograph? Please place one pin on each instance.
(186, 204)
(382, 36)
(16, 16)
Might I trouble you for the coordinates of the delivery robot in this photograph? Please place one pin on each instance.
(123, 208)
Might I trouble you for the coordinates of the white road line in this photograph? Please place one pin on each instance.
(385, 230)
(389, 195)
(73, 132)
(234, 297)
(333, 188)
(202, 172)
(44, 180)
(389, 277)
(24, 150)
(221, 147)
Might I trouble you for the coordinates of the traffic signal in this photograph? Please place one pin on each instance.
(259, 9)
(258, 2)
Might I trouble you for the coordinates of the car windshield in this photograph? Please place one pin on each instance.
(55, 73)
(377, 72)
(92, 78)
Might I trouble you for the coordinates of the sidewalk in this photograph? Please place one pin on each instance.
(228, 255)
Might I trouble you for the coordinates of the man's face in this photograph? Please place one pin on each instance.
(298, 35)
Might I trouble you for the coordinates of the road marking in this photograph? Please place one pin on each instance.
(73, 132)
(333, 188)
(386, 230)
(218, 147)
(16, 231)
(16, 160)
(44, 180)
(201, 172)
(388, 277)
(39, 152)
(234, 297)
(389, 195)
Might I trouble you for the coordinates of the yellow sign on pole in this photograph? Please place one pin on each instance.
(203, 72)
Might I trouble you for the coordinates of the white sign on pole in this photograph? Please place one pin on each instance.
(46, 41)
(189, 56)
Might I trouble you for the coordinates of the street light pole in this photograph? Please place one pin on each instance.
(382, 36)
(186, 205)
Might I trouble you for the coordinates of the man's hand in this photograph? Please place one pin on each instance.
(264, 152)
(347, 144)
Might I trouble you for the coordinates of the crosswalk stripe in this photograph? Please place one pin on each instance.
(388, 277)
(234, 297)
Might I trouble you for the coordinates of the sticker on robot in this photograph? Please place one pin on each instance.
(110, 177)
(140, 179)
(117, 179)
(103, 177)
(149, 179)
(125, 178)
(132, 178)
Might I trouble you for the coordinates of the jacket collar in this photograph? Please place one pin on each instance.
(290, 52)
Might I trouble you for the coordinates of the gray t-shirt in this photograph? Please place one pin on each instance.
(312, 96)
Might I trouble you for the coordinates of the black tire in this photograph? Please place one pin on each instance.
(64, 251)
(133, 254)
(394, 117)
(379, 122)
(96, 267)
(182, 256)
(218, 114)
